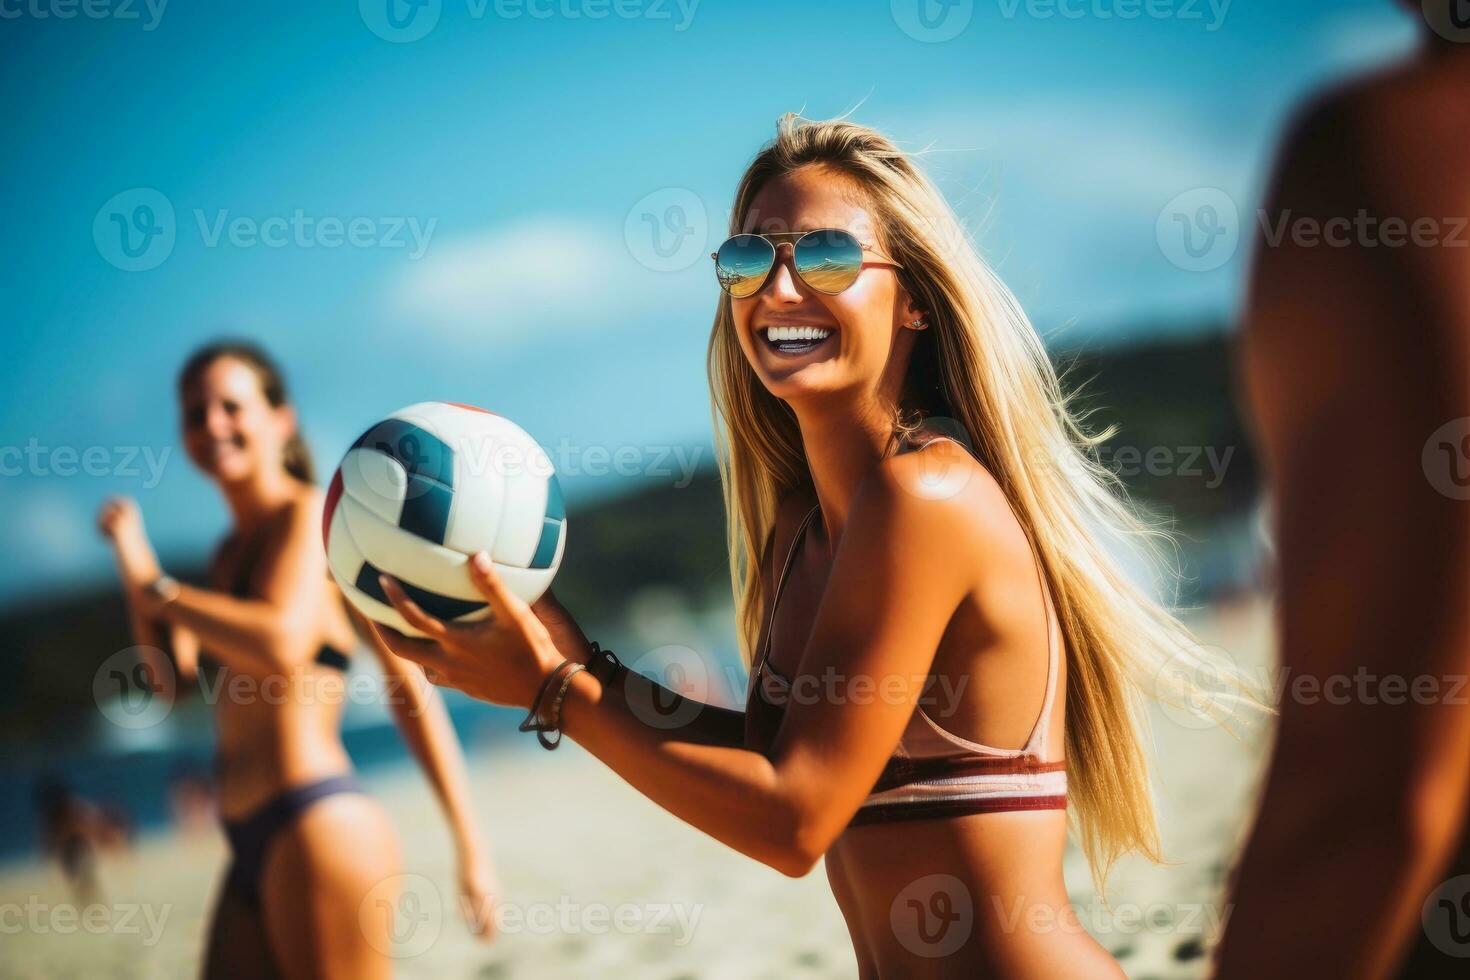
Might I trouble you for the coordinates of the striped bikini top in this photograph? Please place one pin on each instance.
(933, 772)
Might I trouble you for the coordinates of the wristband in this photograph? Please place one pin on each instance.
(165, 589)
(604, 665)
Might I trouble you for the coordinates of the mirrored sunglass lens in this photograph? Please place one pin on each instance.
(743, 263)
(828, 261)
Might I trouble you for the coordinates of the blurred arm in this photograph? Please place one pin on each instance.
(1353, 356)
(266, 635)
(163, 647)
(419, 712)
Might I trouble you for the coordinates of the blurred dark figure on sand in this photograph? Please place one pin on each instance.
(1356, 362)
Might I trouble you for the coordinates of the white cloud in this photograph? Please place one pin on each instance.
(1063, 193)
(521, 281)
(1111, 155)
(1365, 39)
(52, 530)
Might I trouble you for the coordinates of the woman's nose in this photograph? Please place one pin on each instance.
(782, 284)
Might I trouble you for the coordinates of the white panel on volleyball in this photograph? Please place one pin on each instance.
(375, 480)
(433, 416)
(408, 556)
(489, 455)
(528, 583)
(346, 561)
(524, 513)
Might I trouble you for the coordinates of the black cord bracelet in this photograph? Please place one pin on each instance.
(602, 664)
(533, 722)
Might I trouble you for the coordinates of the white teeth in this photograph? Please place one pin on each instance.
(775, 334)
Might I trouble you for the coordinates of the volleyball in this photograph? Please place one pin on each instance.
(426, 488)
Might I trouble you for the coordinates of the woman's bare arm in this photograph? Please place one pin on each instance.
(164, 648)
(684, 720)
(420, 715)
(276, 631)
(884, 611)
(1353, 356)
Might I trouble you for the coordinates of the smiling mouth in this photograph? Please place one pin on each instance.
(220, 448)
(795, 341)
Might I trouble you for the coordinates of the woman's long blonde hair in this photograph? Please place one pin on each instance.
(981, 363)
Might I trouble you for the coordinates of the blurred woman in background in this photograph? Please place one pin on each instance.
(945, 651)
(308, 845)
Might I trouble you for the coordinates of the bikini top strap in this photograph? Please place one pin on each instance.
(1036, 743)
(776, 598)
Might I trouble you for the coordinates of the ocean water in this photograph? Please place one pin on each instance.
(132, 772)
(135, 782)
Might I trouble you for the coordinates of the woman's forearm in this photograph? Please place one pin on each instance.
(735, 795)
(430, 736)
(153, 638)
(146, 631)
(677, 717)
(250, 636)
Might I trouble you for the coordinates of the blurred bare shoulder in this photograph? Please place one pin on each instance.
(1362, 253)
(1396, 142)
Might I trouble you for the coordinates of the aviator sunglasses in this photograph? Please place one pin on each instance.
(827, 260)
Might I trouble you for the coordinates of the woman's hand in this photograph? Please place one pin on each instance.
(502, 659)
(478, 891)
(121, 522)
(119, 517)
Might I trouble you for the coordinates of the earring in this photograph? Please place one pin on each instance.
(917, 324)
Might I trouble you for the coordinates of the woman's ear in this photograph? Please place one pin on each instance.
(910, 316)
(285, 423)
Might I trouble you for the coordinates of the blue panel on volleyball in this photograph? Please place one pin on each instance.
(430, 466)
(436, 605)
(551, 526)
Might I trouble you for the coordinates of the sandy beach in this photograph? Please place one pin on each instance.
(645, 895)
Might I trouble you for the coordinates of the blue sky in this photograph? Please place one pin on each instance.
(470, 214)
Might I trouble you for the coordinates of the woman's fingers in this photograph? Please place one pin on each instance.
(425, 653)
(410, 610)
(504, 604)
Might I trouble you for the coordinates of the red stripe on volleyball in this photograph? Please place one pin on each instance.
(334, 494)
(472, 408)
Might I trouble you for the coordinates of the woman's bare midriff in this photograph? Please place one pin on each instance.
(282, 730)
(963, 897)
(269, 742)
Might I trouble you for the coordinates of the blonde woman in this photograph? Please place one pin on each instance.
(309, 849)
(943, 652)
